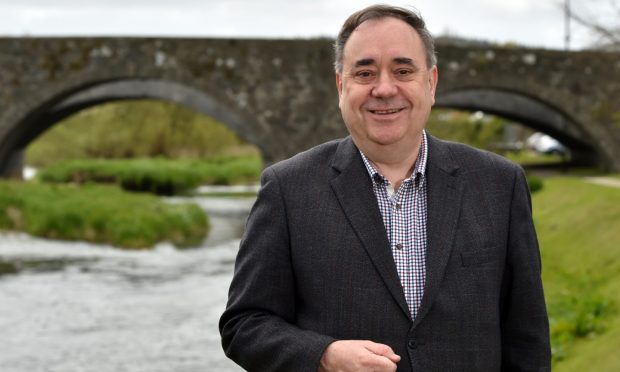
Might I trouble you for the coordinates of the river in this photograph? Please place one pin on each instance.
(75, 306)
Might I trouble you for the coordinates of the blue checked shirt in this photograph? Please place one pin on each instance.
(404, 216)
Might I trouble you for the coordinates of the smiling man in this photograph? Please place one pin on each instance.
(389, 249)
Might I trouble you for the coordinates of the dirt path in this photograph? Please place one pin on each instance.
(605, 181)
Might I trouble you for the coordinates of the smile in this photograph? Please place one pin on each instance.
(386, 112)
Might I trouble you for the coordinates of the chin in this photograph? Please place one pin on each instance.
(385, 140)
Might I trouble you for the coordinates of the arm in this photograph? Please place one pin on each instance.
(525, 328)
(258, 327)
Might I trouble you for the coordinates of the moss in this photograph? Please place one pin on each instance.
(605, 112)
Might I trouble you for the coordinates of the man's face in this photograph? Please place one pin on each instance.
(386, 90)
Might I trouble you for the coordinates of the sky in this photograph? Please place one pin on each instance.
(535, 23)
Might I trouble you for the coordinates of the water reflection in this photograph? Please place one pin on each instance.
(73, 306)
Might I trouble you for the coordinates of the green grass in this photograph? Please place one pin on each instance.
(526, 157)
(579, 232)
(159, 176)
(100, 214)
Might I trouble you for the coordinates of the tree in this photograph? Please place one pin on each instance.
(600, 17)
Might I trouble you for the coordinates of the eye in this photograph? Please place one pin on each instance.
(404, 73)
(364, 75)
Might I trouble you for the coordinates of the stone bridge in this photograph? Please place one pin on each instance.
(280, 94)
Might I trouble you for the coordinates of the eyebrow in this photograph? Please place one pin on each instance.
(404, 61)
(398, 60)
(364, 62)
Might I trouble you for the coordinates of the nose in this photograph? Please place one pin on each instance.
(385, 86)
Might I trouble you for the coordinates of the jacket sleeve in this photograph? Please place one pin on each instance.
(525, 328)
(258, 326)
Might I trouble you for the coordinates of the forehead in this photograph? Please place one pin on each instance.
(383, 38)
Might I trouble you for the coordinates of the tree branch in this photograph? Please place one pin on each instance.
(610, 34)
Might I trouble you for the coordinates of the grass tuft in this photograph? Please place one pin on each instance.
(100, 214)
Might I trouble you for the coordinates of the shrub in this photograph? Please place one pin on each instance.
(535, 183)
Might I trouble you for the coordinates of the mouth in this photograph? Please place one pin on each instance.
(387, 111)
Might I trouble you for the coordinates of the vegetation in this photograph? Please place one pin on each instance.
(135, 129)
(160, 176)
(141, 145)
(535, 183)
(579, 229)
(600, 19)
(480, 131)
(99, 213)
(527, 157)
(488, 132)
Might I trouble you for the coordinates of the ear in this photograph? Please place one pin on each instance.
(433, 78)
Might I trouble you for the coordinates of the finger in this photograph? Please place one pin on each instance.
(383, 350)
(383, 364)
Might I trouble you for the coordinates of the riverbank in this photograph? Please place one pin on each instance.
(99, 214)
(63, 201)
(578, 226)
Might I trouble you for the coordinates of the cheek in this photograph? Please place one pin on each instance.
(345, 100)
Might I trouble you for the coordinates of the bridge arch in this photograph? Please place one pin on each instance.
(68, 103)
(285, 88)
(529, 111)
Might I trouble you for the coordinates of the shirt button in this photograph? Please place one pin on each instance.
(412, 344)
(397, 207)
(399, 246)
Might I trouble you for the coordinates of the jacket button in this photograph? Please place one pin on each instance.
(412, 344)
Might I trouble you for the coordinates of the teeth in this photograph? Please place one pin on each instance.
(386, 112)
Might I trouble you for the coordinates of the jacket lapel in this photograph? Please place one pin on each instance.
(444, 196)
(353, 188)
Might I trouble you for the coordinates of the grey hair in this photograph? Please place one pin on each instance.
(379, 11)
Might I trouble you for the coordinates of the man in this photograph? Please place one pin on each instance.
(390, 248)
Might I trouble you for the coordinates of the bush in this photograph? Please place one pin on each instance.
(535, 183)
(100, 214)
(158, 176)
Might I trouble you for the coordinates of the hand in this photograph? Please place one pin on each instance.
(358, 356)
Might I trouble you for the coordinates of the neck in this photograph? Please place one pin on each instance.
(396, 164)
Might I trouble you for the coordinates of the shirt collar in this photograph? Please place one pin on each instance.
(418, 171)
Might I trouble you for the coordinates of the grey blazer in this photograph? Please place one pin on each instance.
(315, 265)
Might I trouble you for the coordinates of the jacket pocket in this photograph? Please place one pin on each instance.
(480, 256)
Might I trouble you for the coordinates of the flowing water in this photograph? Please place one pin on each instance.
(74, 306)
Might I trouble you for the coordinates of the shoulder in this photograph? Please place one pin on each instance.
(306, 175)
